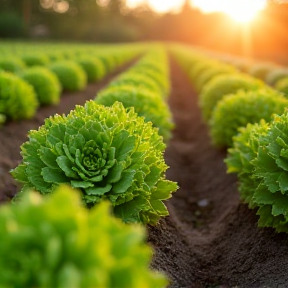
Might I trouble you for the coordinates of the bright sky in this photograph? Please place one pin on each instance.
(239, 10)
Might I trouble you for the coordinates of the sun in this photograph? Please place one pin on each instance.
(243, 11)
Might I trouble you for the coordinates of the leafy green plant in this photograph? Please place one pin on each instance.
(54, 241)
(108, 153)
(93, 67)
(259, 156)
(223, 85)
(261, 69)
(35, 59)
(137, 80)
(17, 98)
(271, 171)
(161, 79)
(45, 84)
(70, 74)
(145, 102)
(239, 159)
(210, 73)
(13, 65)
(239, 109)
(108, 62)
(282, 86)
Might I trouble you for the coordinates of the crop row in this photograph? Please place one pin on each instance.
(111, 153)
(249, 117)
(28, 80)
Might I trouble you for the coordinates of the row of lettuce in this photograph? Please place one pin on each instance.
(31, 76)
(248, 117)
(108, 156)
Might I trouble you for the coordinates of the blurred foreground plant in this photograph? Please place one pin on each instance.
(54, 241)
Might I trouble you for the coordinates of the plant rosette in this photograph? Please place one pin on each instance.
(107, 152)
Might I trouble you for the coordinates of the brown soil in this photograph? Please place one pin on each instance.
(210, 239)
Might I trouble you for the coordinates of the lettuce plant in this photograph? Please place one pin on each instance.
(259, 156)
(137, 80)
(108, 153)
(282, 86)
(239, 109)
(239, 159)
(93, 67)
(210, 73)
(70, 74)
(261, 70)
(13, 65)
(145, 102)
(54, 241)
(17, 98)
(271, 169)
(45, 84)
(35, 59)
(161, 79)
(223, 85)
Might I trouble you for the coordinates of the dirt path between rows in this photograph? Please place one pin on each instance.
(209, 239)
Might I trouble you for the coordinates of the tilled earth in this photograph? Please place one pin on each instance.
(210, 239)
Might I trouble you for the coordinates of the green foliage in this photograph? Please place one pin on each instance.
(239, 109)
(261, 70)
(137, 80)
(210, 73)
(160, 78)
(107, 61)
(199, 67)
(240, 156)
(259, 156)
(17, 98)
(145, 102)
(54, 241)
(271, 171)
(13, 65)
(108, 153)
(93, 67)
(282, 86)
(45, 84)
(70, 74)
(223, 85)
(155, 66)
(35, 59)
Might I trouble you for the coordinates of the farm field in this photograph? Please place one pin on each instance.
(210, 238)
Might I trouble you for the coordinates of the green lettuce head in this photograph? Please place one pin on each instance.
(240, 158)
(67, 246)
(239, 109)
(107, 152)
(146, 103)
(271, 170)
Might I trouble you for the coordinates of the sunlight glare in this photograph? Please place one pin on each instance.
(242, 11)
(160, 6)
